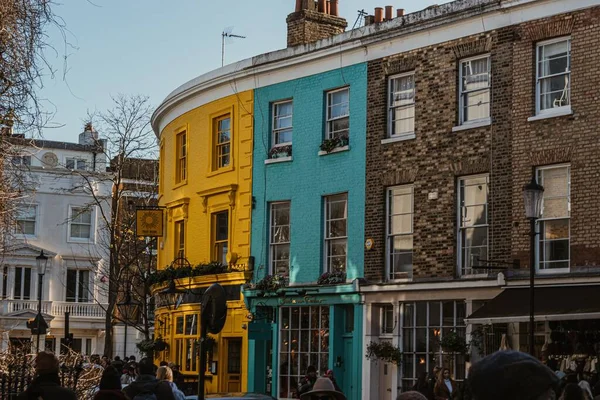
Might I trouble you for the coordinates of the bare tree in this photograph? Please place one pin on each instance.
(128, 136)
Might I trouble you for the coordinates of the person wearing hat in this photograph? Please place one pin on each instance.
(512, 375)
(323, 389)
(46, 384)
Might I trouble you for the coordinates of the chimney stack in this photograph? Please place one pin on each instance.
(389, 13)
(314, 20)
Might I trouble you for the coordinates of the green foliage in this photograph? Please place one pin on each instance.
(332, 278)
(384, 351)
(329, 145)
(453, 342)
(281, 151)
(271, 283)
(172, 273)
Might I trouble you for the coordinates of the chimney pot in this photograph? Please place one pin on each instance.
(378, 15)
(389, 12)
(400, 12)
(322, 6)
(298, 5)
(334, 7)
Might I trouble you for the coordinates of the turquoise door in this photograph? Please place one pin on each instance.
(348, 382)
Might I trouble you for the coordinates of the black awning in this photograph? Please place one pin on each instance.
(552, 303)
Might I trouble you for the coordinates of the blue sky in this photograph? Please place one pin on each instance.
(152, 46)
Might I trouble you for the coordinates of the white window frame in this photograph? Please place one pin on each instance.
(538, 79)
(538, 256)
(92, 237)
(459, 223)
(329, 119)
(90, 288)
(76, 161)
(274, 246)
(32, 284)
(274, 130)
(391, 108)
(326, 237)
(35, 221)
(385, 311)
(389, 236)
(462, 92)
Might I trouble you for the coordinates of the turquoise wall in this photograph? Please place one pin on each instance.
(308, 177)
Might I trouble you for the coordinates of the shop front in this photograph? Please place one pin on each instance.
(291, 331)
(567, 326)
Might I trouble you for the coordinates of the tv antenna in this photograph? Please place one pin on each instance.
(226, 35)
(361, 14)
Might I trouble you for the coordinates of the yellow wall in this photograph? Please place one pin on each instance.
(204, 192)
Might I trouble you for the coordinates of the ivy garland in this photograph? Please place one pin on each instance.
(173, 273)
(384, 351)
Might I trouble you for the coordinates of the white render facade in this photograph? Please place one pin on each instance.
(59, 216)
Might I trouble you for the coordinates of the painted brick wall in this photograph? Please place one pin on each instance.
(507, 150)
(570, 139)
(309, 177)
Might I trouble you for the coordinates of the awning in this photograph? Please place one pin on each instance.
(552, 303)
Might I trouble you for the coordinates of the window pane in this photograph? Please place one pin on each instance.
(555, 229)
(222, 225)
(555, 182)
(475, 74)
(474, 215)
(434, 313)
(401, 224)
(555, 92)
(554, 58)
(71, 284)
(284, 136)
(476, 105)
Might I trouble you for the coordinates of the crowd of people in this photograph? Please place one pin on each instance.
(121, 380)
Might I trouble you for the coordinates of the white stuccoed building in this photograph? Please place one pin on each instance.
(57, 215)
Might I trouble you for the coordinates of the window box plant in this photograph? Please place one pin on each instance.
(271, 283)
(332, 278)
(329, 145)
(281, 151)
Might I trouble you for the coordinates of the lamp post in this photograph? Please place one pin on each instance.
(42, 263)
(128, 310)
(532, 196)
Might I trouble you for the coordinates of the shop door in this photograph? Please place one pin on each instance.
(348, 383)
(385, 381)
(233, 369)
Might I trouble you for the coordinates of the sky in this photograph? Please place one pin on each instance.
(150, 47)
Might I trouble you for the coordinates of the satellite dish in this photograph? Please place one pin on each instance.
(214, 308)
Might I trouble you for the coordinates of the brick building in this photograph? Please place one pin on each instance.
(455, 128)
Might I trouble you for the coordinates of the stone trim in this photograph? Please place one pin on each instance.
(470, 166)
(402, 177)
(398, 64)
(473, 47)
(551, 156)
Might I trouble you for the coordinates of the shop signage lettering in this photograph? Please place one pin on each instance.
(302, 300)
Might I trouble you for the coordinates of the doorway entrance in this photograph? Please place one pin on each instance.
(233, 367)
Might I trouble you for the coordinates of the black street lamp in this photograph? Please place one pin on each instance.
(42, 264)
(532, 196)
(129, 311)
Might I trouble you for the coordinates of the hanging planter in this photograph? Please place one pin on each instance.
(160, 345)
(452, 342)
(384, 351)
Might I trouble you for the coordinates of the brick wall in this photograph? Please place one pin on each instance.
(507, 150)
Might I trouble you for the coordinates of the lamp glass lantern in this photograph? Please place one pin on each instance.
(42, 263)
(128, 308)
(171, 296)
(533, 194)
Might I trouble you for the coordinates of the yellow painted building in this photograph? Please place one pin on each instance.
(205, 188)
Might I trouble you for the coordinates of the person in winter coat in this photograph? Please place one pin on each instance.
(128, 375)
(46, 384)
(445, 388)
(146, 382)
(110, 385)
(422, 386)
(308, 381)
(165, 374)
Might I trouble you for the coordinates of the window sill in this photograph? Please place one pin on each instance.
(336, 150)
(180, 184)
(560, 112)
(472, 125)
(408, 136)
(278, 160)
(220, 171)
(80, 241)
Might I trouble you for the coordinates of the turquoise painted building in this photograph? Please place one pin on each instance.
(308, 219)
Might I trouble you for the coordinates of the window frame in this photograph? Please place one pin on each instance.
(217, 245)
(385, 310)
(328, 119)
(459, 215)
(327, 239)
(32, 283)
(274, 246)
(76, 163)
(274, 130)
(19, 232)
(181, 340)
(390, 237)
(538, 222)
(462, 92)
(538, 79)
(218, 145)
(78, 285)
(181, 152)
(179, 245)
(21, 160)
(92, 225)
(391, 109)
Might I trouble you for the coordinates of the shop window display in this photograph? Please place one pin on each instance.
(424, 324)
(304, 341)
